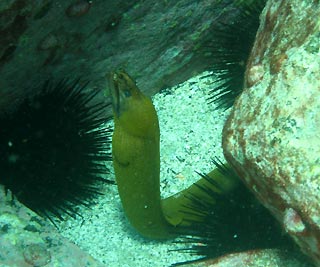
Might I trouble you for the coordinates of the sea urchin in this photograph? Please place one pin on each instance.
(53, 149)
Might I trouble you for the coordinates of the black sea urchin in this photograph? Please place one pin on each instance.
(53, 149)
(230, 49)
(236, 222)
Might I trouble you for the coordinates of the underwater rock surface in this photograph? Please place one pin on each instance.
(254, 258)
(159, 43)
(272, 135)
(28, 240)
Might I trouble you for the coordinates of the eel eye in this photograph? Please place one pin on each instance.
(127, 93)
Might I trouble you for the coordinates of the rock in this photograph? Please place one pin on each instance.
(158, 43)
(255, 258)
(28, 240)
(272, 135)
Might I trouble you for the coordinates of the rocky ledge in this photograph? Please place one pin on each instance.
(272, 135)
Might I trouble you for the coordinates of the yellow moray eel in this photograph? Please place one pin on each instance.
(136, 160)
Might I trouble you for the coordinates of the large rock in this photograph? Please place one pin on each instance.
(272, 135)
(158, 42)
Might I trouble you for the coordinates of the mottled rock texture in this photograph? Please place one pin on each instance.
(160, 43)
(27, 240)
(255, 258)
(272, 135)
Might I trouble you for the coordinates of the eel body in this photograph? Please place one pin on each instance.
(136, 160)
(136, 157)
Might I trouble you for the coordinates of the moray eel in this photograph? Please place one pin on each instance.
(136, 161)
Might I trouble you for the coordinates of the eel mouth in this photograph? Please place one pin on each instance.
(122, 88)
(115, 92)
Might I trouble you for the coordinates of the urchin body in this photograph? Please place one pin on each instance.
(53, 149)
